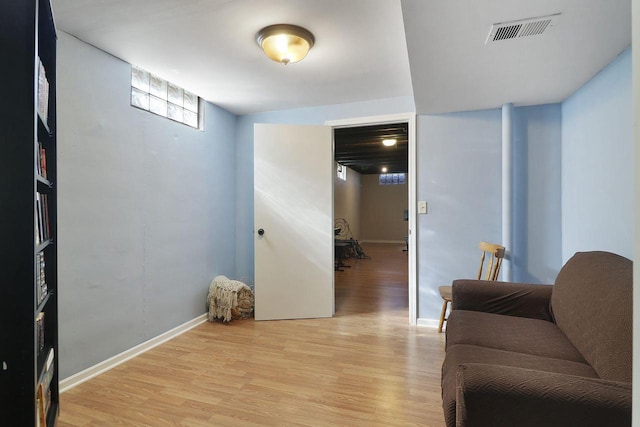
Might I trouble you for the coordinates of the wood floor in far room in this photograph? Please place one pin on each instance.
(364, 367)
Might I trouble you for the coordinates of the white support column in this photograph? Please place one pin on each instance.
(507, 191)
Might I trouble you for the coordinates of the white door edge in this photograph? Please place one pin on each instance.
(410, 118)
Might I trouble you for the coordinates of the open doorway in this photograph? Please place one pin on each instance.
(370, 190)
(373, 199)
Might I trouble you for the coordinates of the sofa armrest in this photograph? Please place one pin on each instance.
(513, 299)
(490, 395)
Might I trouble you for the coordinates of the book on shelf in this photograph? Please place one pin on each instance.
(43, 392)
(41, 283)
(41, 419)
(45, 209)
(39, 238)
(43, 93)
(38, 160)
(40, 331)
(41, 161)
(42, 218)
(39, 218)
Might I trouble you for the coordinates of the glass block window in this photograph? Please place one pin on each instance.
(341, 171)
(158, 96)
(392, 178)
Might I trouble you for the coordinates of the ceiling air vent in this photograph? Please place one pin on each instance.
(521, 28)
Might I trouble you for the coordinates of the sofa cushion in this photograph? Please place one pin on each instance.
(460, 354)
(592, 305)
(507, 396)
(513, 299)
(510, 333)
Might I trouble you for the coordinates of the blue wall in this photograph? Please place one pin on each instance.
(244, 159)
(145, 210)
(537, 216)
(459, 175)
(597, 163)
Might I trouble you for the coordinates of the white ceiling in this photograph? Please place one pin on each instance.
(453, 70)
(361, 52)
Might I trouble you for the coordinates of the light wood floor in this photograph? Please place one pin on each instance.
(364, 367)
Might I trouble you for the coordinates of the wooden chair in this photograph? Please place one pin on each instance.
(496, 253)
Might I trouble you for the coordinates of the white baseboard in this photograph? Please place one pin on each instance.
(382, 241)
(112, 362)
(429, 323)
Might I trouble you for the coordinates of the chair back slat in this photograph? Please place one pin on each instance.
(495, 260)
(481, 265)
(496, 271)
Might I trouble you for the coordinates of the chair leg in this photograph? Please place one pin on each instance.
(442, 313)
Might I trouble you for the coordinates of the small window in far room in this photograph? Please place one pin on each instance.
(391, 178)
(342, 171)
(158, 96)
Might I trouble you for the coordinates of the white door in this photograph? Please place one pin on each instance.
(293, 221)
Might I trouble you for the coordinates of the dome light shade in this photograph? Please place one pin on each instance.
(285, 43)
(389, 142)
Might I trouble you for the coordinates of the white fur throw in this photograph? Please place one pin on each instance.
(223, 298)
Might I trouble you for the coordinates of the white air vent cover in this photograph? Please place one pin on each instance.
(521, 28)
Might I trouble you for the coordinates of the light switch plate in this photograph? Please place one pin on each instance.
(422, 207)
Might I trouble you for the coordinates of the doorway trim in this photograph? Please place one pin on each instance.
(409, 118)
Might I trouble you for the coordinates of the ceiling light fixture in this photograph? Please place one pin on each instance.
(285, 43)
(389, 142)
(384, 170)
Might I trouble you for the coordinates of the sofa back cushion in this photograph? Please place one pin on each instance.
(592, 304)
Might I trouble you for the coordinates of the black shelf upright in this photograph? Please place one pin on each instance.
(29, 390)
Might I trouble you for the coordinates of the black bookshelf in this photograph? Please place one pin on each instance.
(29, 391)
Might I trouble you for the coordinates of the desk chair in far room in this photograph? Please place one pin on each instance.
(496, 253)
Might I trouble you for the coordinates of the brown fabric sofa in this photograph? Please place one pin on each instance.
(542, 355)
